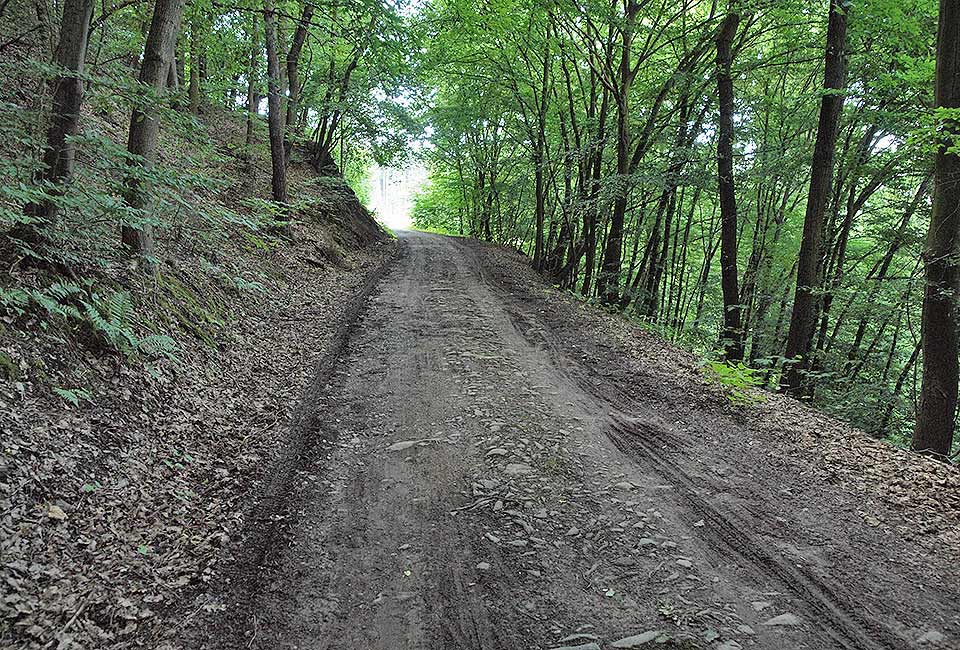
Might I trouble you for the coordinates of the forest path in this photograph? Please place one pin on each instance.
(475, 484)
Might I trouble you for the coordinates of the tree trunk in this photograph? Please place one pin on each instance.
(540, 157)
(59, 153)
(181, 67)
(253, 98)
(194, 89)
(803, 317)
(883, 428)
(732, 337)
(595, 169)
(145, 125)
(293, 75)
(173, 84)
(608, 279)
(877, 278)
(275, 114)
(938, 389)
(540, 208)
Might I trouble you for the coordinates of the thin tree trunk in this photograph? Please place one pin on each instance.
(732, 337)
(608, 279)
(274, 107)
(709, 252)
(592, 210)
(253, 98)
(891, 402)
(181, 66)
(540, 157)
(877, 278)
(293, 74)
(803, 317)
(778, 326)
(938, 391)
(145, 125)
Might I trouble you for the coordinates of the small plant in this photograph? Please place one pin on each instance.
(73, 395)
(241, 285)
(108, 316)
(736, 378)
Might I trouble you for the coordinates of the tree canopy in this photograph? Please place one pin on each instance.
(586, 135)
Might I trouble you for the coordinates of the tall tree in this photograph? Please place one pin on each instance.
(145, 125)
(59, 152)
(938, 392)
(275, 115)
(732, 309)
(293, 74)
(804, 315)
(608, 279)
(253, 97)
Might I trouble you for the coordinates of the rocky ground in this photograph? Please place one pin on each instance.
(491, 464)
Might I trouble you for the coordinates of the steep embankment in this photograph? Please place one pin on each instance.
(115, 507)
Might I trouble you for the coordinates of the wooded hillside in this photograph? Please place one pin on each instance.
(145, 265)
(134, 138)
(758, 174)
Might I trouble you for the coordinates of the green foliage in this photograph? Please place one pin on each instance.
(517, 92)
(242, 285)
(438, 206)
(103, 316)
(500, 99)
(73, 396)
(356, 173)
(111, 317)
(738, 380)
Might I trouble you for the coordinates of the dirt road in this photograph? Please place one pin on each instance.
(483, 471)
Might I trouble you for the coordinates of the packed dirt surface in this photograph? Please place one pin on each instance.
(490, 464)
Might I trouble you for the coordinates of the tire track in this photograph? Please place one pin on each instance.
(849, 628)
(267, 520)
(835, 614)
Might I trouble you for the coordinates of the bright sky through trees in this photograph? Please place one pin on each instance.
(392, 191)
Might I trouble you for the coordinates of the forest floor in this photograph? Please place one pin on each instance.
(492, 464)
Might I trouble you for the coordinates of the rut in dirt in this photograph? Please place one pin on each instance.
(470, 479)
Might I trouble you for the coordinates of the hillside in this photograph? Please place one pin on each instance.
(125, 471)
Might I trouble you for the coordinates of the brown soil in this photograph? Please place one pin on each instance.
(491, 464)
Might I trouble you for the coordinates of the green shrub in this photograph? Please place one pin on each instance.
(737, 380)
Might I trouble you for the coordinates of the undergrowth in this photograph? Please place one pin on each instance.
(206, 205)
(737, 379)
(104, 318)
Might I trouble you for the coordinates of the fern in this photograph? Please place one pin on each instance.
(157, 345)
(108, 316)
(73, 395)
(111, 318)
(241, 285)
(14, 301)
